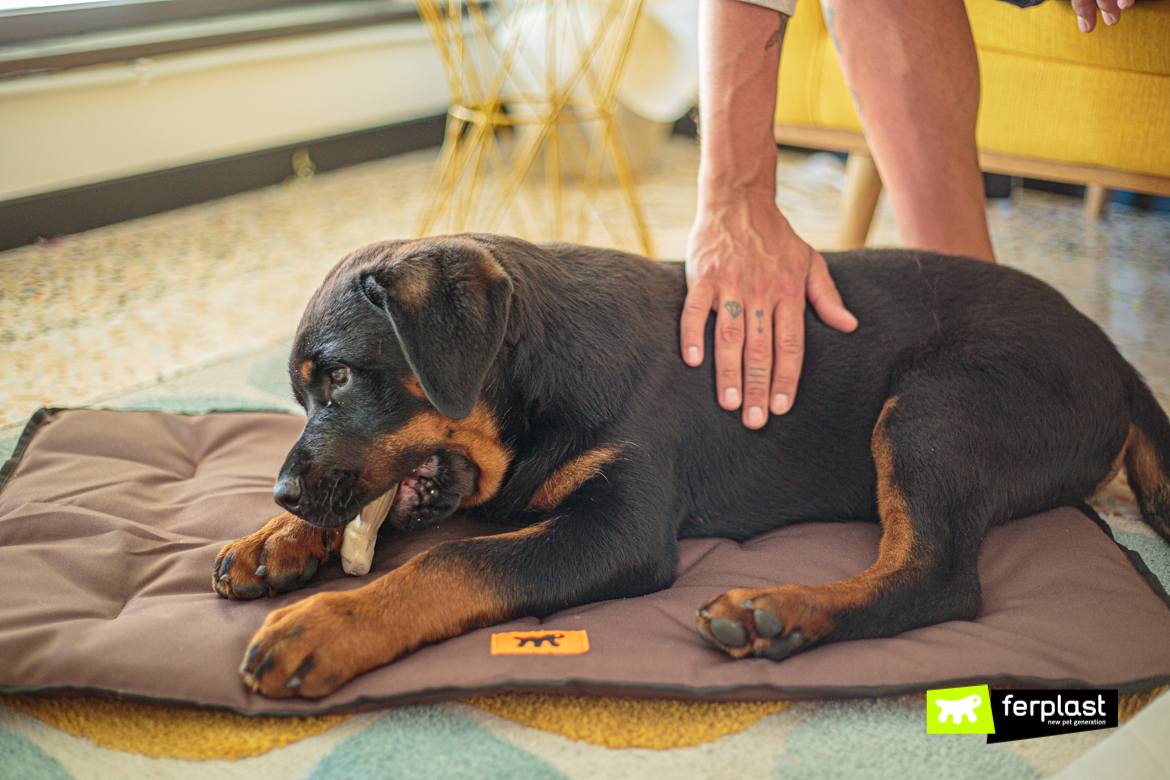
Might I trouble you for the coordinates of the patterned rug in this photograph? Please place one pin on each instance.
(513, 735)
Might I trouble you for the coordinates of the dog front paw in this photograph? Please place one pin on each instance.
(770, 623)
(281, 556)
(310, 648)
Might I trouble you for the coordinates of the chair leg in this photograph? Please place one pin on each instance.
(1096, 200)
(859, 200)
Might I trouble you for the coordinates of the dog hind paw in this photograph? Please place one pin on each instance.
(749, 624)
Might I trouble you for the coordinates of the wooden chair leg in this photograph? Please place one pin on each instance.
(858, 200)
(1096, 200)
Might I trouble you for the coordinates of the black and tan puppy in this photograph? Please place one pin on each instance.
(542, 389)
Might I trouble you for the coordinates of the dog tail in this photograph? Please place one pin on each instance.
(1147, 456)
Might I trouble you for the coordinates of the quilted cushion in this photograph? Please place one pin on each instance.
(110, 523)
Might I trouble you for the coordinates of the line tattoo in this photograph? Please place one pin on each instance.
(829, 14)
(759, 320)
(733, 308)
(777, 36)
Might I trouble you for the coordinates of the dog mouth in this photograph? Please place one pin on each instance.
(426, 494)
(431, 491)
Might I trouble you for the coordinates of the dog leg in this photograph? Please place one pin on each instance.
(590, 550)
(281, 556)
(925, 573)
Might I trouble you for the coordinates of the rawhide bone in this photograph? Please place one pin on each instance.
(357, 544)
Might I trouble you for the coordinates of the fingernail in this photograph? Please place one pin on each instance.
(755, 416)
(731, 396)
(779, 403)
(1109, 18)
(1083, 23)
(693, 355)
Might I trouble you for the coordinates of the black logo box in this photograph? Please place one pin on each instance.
(1029, 714)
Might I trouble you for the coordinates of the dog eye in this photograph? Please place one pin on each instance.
(339, 376)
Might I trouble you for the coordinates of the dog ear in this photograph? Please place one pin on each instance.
(448, 302)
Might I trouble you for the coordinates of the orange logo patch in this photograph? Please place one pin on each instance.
(540, 643)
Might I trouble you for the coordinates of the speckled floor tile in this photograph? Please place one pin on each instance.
(95, 316)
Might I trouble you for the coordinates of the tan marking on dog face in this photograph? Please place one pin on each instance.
(414, 388)
(477, 436)
(570, 476)
(307, 370)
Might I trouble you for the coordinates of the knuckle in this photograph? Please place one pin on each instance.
(728, 376)
(759, 352)
(788, 286)
(783, 383)
(731, 331)
(790, 344)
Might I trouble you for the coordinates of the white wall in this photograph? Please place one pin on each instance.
(94, 124)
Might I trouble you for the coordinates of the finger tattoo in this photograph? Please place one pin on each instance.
(759, 320)
(733, 309)
(757, 376)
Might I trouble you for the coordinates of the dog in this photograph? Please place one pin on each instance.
(541, 389)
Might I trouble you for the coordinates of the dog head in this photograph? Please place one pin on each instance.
(389, 362)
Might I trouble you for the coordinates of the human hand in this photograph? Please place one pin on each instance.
(745, 261)
(1086, 11)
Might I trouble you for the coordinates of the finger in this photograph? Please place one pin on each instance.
(1086, 11)
(789, 353)
(696, 309)
(729, 333)
(825, 299)
(1124, 4)
(1110, 12)
(757, 363)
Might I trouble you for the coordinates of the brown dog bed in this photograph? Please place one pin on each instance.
(110, 522)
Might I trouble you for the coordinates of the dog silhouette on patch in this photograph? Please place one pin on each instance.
(538, 641)
(958, 708)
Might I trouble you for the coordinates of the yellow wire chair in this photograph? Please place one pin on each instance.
(527, 76)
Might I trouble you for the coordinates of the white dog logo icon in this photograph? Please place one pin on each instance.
(958, 708)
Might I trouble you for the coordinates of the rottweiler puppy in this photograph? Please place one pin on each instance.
(541, 388)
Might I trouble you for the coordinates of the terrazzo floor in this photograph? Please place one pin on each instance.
(91, 317)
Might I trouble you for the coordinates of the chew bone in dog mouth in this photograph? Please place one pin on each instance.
(540, 388)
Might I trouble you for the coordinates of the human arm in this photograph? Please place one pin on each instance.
(743, 258)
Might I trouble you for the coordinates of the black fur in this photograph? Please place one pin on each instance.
(1009, 402)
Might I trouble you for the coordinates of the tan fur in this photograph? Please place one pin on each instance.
(350, 632)
(307, 370)
(289, 542)
(414, 388)
(1141, 463)
(477, 436)
(571, 476)
(812, 608)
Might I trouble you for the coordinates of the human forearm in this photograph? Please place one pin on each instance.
(739, 59)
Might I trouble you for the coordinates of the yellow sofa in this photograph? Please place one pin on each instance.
(1056, 103)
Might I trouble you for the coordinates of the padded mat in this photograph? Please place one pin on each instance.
(110, 522)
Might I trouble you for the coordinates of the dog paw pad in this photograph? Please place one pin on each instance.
(729, 632)
(767, 624)
(782, 647)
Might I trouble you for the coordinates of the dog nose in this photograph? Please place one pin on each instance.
(288, 493)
